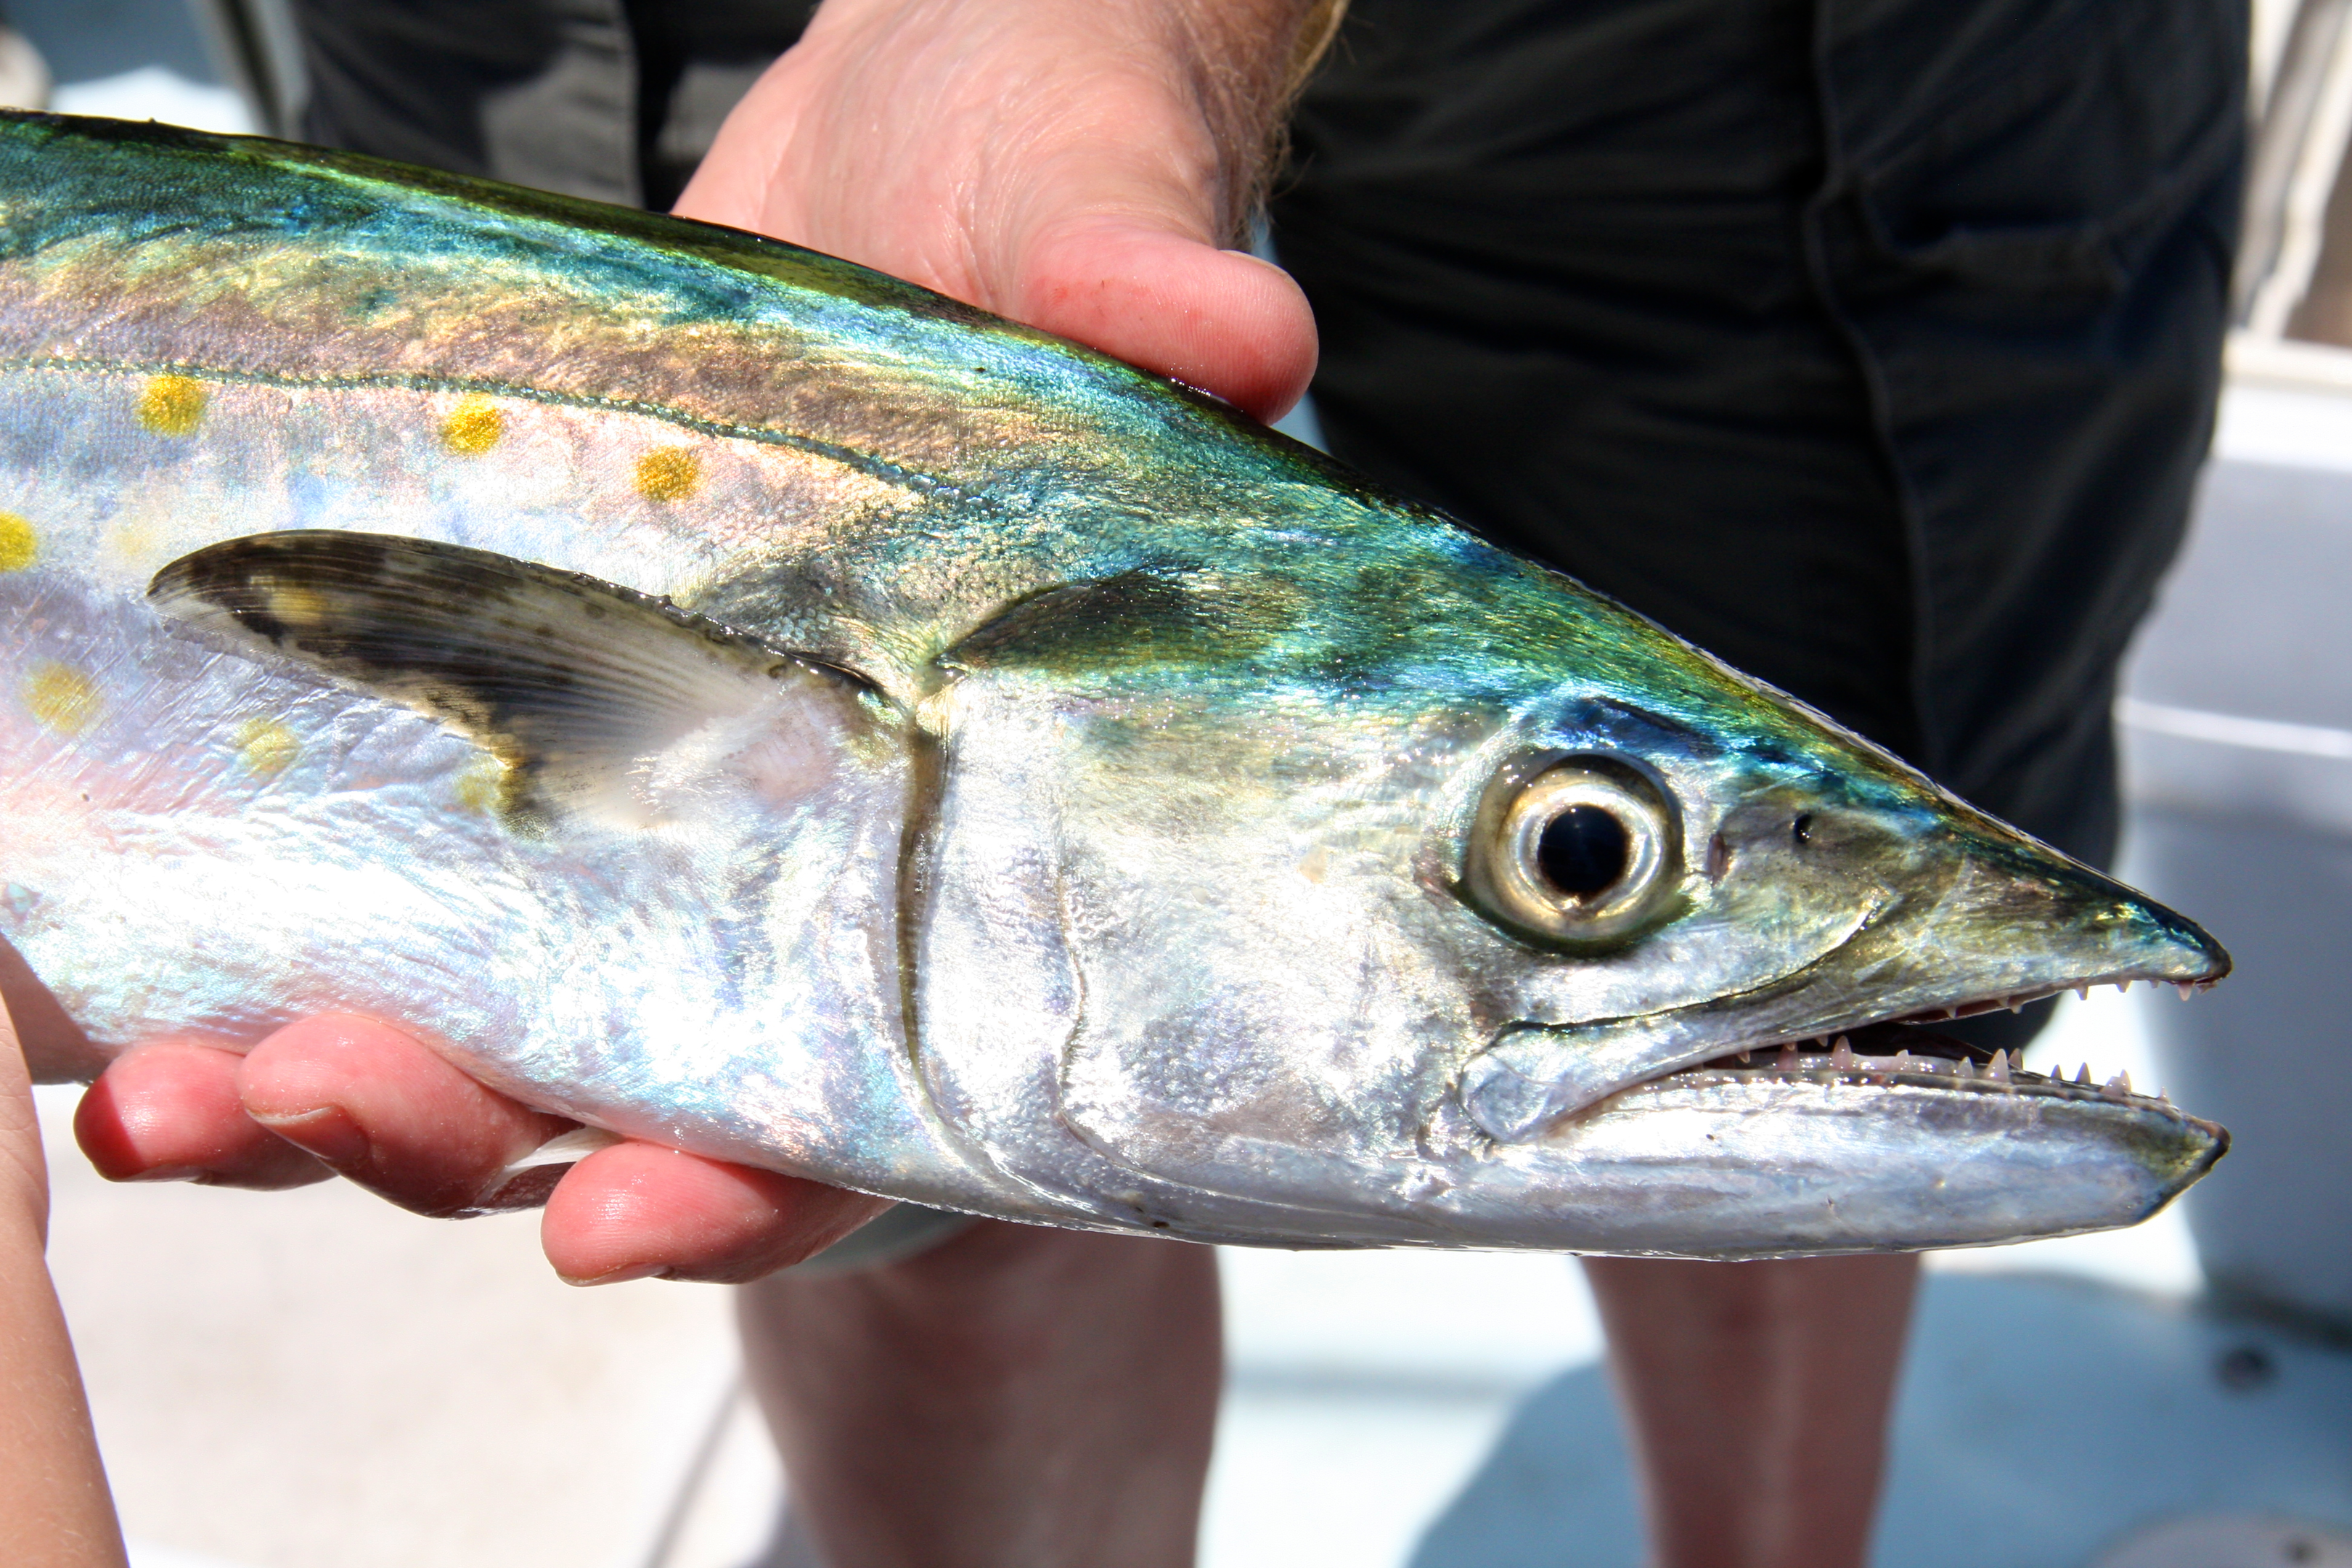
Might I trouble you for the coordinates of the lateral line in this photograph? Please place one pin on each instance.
(848, 457)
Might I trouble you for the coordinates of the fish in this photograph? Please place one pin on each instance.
(727, 696)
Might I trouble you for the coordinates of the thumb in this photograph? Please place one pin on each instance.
(1222, 320)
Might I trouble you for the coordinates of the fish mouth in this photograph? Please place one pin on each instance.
(2005, 924)
(1527, 1079)
(1894, 1138)
(1909, 1043)
(1886, 1135)
(1903, 1051)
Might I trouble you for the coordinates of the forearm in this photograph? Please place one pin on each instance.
(53, 1495)
(53, 1508)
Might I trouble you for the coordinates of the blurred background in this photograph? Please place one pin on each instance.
(314, 1377)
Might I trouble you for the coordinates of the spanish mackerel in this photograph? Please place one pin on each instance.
(731, 696)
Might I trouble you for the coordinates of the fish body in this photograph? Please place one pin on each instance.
(730, 697)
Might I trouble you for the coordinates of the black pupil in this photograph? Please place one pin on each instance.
(1582, 851)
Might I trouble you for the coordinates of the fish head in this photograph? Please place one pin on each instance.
(1464, 943)
(1672, 886)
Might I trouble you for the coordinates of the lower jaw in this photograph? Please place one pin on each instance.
(1870, 1154)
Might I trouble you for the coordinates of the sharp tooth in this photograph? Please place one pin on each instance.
(2084, 991)
(1841, 1059)
(2015, 1003)
(2187, 989)
(1787, 1062)
(1998, 1069)
(2119, 1085)
(2082, 1073)
(2121, 986)
(1744, 1055)
(1964, 1069)
(1902, 1062)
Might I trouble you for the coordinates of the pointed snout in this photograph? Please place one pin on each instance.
(2019, 906)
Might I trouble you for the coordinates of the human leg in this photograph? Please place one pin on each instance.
(1013, 1397)
(1756, 1398)
(1727, 316)
(1659, 408)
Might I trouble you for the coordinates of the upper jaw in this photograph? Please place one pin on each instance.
(1995, 936)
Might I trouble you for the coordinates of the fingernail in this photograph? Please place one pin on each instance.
(329, 1132)
(528, 1190)
(167, 1173)
(620, 1276)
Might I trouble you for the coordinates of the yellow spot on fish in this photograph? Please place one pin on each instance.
(18, 544)
(172, 405)
(134, 543)
(473, 427)
(482, 787)
(61, 697)
(668, 473)
(266, 747)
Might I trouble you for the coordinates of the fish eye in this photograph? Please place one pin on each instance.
(1583, 851)
(1574, 849)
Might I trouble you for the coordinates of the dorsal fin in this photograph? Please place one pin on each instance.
(588, 693)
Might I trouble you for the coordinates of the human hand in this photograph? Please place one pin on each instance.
(1078, 165)
(1075, 164)
(360, 1098)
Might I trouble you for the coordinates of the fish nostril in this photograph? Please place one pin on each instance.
(1801, 830)
(1718, 859)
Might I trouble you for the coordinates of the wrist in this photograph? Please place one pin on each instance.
(957, 101)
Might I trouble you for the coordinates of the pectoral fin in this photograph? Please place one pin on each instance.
(596, 697)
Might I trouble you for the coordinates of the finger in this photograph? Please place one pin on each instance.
(1222, 320)
(636, 1210)
(384, 1110)
(168, 1111)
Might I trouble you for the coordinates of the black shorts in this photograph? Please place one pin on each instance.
(1871, 344)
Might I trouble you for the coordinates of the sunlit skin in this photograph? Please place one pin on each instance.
(53, 1490)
